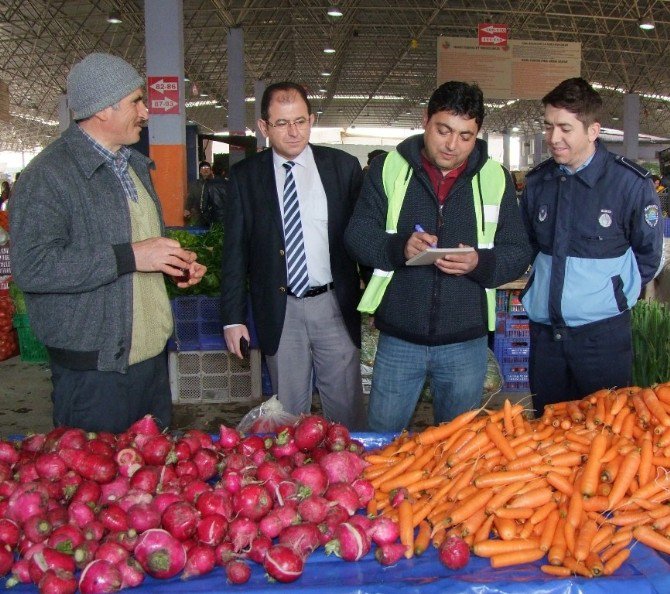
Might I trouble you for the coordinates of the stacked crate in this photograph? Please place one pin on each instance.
(511, 343)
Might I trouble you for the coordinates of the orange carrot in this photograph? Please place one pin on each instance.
(505, 527)
(516, 558)
(491, 547)
(542, 512)
(422, 538)
(615, 562)
(655, 407)
(594, 564)
(491, 479)
(627, 471)
(585, 536)
(497, 437)
(647, 535)
(577, 567)
(532, 499)
(406, 527)
(441, 432)
(549, 530)
(466, 509)
(590, 474)
(406, 479)
(556, 570)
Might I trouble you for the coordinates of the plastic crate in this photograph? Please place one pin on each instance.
(5, 267)
(666, 227)
(31, 349)
(516, 386)
(214, 376)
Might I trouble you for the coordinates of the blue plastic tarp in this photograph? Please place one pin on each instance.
(645, 572)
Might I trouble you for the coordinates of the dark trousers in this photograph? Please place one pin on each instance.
(110, 401)
(570, 363)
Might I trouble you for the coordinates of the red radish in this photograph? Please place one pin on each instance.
(65, 538)
(33, 443)
(194, 489)
(49, 558)
(310, 432)
(99, 577)
(271, 473)
(94, 530)
(29, 499)
(133, 497)
(85, 553)
(57, 581)
(132, 574)
(454, 552)
(5, 472)
(231, 481)
(87, 492)
(390, 553)
(200, 560)
(282, 445)
(211, 529)
(238, 572)
(146, 479)
(69, 483)
(337, 437)
(364, 490)
(100, 447)
(50, 466)
(305, 538)
(144, 516)
(312, 476)
(80, 513)
(270, 525)
(9, 532)
(8, 453)
(398, 496)
(112, 552)
(283, 564)
(114, 518)
(344, 495)
(7, 487)
(186, 468)
(259, 548)
(127, 539)
(129, 461)
(253, 502)
(242, 532)
(350, 542)
(37, 528)
(342, 466)
(162, 500)
(384, 531)
(313, 509)
(6, 559)
(101, 469)
(145, 426)
(288, 514)
(26, 472)
(215, 502)
(114, 490)
(225, 553)
(20, 573)
(363, 522)
(182, 450)
(204, 439)
(160, 554)
(57, 517)
(251, 444)
(228, 437)
(180, 519)
(206, 461)
(156, 450)
(356, 447)
(72, 438)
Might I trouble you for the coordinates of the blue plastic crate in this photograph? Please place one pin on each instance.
(666, 227)
(516, 386)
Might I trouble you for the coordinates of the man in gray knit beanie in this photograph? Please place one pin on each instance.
(90, 256)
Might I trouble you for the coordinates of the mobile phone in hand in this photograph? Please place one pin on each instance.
(244, 347)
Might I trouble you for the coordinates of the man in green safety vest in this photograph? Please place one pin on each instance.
(438, 189)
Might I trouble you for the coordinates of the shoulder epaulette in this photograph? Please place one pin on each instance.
(540, 166)
(632, 165)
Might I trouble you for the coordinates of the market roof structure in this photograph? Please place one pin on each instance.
(380, 74)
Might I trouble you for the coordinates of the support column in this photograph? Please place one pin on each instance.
(236, 106)
(259, 89)
(631, 126)
(64, 114)
(506, 149)
(538, 140)
(164, 35)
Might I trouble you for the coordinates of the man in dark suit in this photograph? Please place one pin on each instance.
(304, 287)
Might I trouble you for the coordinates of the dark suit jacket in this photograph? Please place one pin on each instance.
(253, 244)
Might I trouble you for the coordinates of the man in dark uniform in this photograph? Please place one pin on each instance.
(594, 222)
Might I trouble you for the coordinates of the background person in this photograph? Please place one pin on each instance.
(296, 329)
(595, 226)
(194, 197)
(433, 319)
(87, 252)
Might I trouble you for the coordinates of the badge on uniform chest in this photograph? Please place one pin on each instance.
(651, 215)
(605, 218)
(542, 213)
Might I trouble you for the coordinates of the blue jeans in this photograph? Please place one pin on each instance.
(456, 373)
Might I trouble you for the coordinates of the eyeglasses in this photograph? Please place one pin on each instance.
(300, 124)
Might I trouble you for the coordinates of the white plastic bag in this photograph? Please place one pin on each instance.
(267, 417)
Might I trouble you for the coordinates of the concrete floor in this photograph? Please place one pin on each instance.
(25, 404)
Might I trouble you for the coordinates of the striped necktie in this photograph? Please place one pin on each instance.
(296, 261)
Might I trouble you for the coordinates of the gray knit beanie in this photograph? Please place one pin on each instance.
(98, 81)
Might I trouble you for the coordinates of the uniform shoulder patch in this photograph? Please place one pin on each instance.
(540, 166)
(632, 165)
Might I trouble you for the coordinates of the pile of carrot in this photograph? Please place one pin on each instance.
(577, 485)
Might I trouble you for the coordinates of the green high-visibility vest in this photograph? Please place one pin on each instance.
(396, 176)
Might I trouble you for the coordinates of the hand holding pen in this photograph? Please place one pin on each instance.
(419, 241)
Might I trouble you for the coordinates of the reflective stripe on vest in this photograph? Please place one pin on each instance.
(396, 176)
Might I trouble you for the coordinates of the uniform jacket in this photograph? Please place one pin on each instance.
(253, 244)
(421, 304)
(71, 252)
(597, 235)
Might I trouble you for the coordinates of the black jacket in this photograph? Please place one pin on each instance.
(421, 304)
(213, 204)
(253, 244)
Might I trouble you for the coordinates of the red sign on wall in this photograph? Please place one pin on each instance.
(163, 95)
(492, 34)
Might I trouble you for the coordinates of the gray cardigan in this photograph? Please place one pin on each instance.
(71, 252)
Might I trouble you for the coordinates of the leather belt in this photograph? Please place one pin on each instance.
(314, 291)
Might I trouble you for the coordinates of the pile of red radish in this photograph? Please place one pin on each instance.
(118, 507)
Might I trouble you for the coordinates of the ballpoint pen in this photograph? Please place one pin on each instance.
(419, 229)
